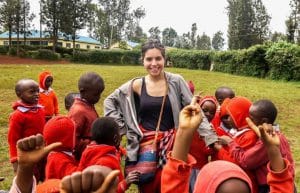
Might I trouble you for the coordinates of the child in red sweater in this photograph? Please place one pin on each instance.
(47, 97)
(104, 151)
(83, 111)
(198, 149)
(255, 157)
(60, 161)
(27, 119)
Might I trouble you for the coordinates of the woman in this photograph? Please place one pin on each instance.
(136, 106)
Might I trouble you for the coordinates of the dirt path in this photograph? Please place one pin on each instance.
(16, 60)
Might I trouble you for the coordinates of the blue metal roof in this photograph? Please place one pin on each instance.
(132, 44)
(61, 36)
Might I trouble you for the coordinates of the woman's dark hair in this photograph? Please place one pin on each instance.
(153, 43)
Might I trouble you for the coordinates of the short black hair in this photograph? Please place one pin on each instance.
(151, 44)
(69, 99)
(266, 109)
(19, 87)
(104, 130)
(225, 89)
(91, 80)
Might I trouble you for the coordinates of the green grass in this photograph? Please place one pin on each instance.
(286, 95)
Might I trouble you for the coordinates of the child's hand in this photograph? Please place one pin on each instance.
(98, 179)
(225, 140)
(32, 149)
(268, 136)
(190, 117)
(132, 177)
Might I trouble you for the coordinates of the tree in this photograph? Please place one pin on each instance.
(169, 36)
(76, 17)
(193, 35)
(203, 42)
(261, 22)
(27, 18)
(154, 33)
(218, 41)
(7, 16)
(133, 30)
(277, 36)
(241, 32)
(53, 12)
(292, 23)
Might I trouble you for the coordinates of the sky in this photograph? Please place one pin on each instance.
(209, 15)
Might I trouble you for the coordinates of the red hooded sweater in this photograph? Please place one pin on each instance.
(26, 120)
(104, 155)
(47, 96)
(60, 162)
(175, 177)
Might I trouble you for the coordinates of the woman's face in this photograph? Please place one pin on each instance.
(154, 62)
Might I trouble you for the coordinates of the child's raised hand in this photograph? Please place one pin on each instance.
(190, 117)
(132, 177)
(253, 126)
(32, 149)
(268, 136)
(98, 179)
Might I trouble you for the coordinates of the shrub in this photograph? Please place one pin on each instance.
(3, 50)
(283, 59)
(47, 55)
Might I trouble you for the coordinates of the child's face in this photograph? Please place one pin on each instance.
(30, 93)
(225, 120)
(254, 116)
(209, 110)
(48, 81)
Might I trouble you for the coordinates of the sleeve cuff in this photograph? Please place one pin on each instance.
(181, 166)
(13, 159)
(282, 172)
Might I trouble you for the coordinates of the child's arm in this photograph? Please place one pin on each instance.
(30, 151)
(98, 179)
(279, 177)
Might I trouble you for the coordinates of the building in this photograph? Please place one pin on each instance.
(129, 45)
(35, 38)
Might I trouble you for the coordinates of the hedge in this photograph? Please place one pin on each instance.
(108, 57)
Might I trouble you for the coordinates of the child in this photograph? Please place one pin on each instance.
(27, 119)
(198, 149)
(60, 161)
(224, 92)
(48, 97)
(83, 111)
(69, 99)
(255, 158)
(104, 150)
(221, 94)
(218, 176)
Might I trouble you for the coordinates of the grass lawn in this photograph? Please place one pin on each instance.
(286, 96)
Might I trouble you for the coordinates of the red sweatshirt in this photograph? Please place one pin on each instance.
(26, 120)
(255, 157)
(104, 155)
(47, 96)
(83, 114)
(175, 177)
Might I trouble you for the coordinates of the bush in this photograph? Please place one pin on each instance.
(108, 57)
(3, 50)
(47, 55)
(283, 59)
(192, 59)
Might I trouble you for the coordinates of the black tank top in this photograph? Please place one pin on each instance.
(150, 108)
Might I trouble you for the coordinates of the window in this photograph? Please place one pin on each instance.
(77, 46)
(87, 46)
(68, 45)
(97, 47)
(6, 43)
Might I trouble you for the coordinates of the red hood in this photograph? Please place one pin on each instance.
(238, 110)
(42, 78)
(223, 108)
(60, 129)
(191, 86)
(216, 172)
(208, 98)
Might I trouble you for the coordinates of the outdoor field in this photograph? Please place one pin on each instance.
(285, 95)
